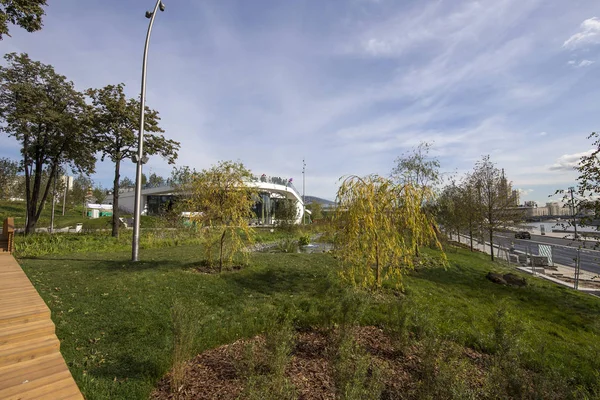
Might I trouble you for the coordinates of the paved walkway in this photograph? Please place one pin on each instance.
(561, 274)
(31, 365)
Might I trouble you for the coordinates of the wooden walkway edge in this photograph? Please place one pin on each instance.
(31, 365)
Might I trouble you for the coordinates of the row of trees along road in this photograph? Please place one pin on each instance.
(482, 201)
(56, 128)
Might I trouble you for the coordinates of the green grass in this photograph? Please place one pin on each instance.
(114, 318)
(73, 216)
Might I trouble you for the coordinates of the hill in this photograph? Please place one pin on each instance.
(322, 201)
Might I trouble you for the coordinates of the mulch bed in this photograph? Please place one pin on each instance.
(215, 374)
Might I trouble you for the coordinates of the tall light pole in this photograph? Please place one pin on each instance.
(140, 155)
(573, 212)
(303, 186)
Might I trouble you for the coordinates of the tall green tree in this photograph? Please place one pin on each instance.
(417, 168)
(49, 118)
(497, 205)
(420, 171)
(99, 194)
(220, 201)
(78, 194)
(285, 212)
(8, 177)
(25, 13)
(316, 210)
(585, 200)
(156, 180)
(126, 183)
(115, 124)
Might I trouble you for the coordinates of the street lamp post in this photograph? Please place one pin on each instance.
(303, 199)
(573, 212)
(140, 155)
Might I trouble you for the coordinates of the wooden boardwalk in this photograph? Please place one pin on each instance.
(31, 366)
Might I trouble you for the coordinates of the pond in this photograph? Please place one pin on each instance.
(315, 248)
(288, 246)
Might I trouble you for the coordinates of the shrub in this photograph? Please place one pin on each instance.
(304, 240)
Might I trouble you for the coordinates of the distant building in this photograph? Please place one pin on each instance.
(271, 191)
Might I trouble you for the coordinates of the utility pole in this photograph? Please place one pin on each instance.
(303, 196)
(573, 213)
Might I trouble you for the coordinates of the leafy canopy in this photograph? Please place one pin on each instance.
(50, 120)
(115, 124)
(25, 13)
(220, 201)
(379, 228)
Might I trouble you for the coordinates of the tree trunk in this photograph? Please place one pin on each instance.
(492, 243)
(222, 241)
(115, 214)
(471, 234)
(377, 266)
(32, 198)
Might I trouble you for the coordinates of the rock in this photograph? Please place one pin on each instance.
(496, 278)
(515, 280)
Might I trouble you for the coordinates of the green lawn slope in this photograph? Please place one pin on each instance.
(114, 317)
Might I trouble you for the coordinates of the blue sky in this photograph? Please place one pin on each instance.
(347, 85)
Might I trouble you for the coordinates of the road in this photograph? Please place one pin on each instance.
(564, 251)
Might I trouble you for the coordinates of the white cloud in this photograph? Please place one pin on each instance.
(582, 63)
(567, 162)
(525, 192)
(543, 133)
(589, 34)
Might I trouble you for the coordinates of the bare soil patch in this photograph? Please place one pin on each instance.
(216, 374)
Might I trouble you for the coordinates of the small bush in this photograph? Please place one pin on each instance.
(264, 368)
(356, 376)
(287, 246)
(185, 332)
(304, 240)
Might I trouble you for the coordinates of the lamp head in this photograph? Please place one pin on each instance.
(149, 14)
(161, 6)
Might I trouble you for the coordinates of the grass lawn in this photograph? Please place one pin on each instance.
(73, 216)
(114, 317)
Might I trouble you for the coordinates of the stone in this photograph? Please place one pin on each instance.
(496, 278)
(514, 280)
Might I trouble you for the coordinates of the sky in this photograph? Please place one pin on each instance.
(348, 86)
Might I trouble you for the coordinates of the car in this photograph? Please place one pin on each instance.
(523, 235)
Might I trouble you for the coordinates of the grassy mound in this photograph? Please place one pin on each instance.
(123, 326)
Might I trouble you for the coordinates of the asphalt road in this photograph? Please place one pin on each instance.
(564, 251)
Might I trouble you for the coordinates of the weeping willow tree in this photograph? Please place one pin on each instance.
(380, 226)
(220, 203)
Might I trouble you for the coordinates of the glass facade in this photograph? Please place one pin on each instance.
(159, 204)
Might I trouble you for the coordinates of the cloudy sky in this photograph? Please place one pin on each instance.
(347, 85)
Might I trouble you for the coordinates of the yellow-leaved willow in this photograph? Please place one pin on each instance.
(379, 227)
(220, 203)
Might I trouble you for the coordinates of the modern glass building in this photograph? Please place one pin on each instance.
(275, 197)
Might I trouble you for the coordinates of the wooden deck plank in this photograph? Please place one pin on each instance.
(36, 387)
(31, 366)
(17, 352)
(32, 371)
(22, 308)
(19, 332)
